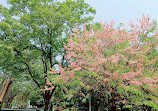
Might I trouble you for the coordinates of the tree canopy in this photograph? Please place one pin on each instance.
(33, 33)
(118, 63)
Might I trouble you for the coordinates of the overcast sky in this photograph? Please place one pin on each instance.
(121, 10)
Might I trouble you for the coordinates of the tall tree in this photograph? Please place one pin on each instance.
(33, 31)
(3, 90)
(118, 63)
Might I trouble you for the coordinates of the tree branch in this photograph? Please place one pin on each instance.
(50, 50)
(52, 91)
(29, 70)
(39, 49)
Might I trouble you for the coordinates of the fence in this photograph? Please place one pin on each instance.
(5, 109)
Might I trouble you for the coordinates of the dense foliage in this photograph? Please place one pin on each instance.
(32, 33)
(117, 63)
(102, 66)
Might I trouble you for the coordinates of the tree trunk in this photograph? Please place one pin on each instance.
(113, 108)
(7, 104)
(7, 82)
(90, 101)
(75, 104)
(46, 104)
(51, 106)
(8, 99)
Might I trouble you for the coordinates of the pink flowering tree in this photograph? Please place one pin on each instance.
(120, 63)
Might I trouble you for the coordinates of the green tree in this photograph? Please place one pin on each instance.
(32, 36)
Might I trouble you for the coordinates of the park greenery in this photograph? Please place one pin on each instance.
(53, 56)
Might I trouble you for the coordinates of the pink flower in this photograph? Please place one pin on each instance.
(50, 88)
(48, 82)
(138, 83)
(123, 102)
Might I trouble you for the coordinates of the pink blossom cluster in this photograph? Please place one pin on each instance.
(111, 52)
